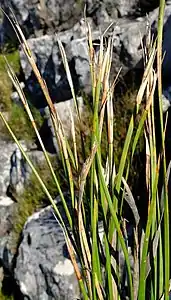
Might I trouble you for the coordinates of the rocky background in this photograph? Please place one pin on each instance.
(37, 266)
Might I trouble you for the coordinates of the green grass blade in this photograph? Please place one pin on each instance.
(117, 225)
(124, 154)
(166, 207)
(143, 265)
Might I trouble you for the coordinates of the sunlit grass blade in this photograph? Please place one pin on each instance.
(69, 77)
(145, 78)
(75, 160)
(144, 115)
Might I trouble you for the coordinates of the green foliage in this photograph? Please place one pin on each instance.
(20, 123)
(13, 59)
(5, 297)
(5, 83)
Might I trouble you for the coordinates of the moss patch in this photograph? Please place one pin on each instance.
(20, 123)
(5, 83)
(13, 59)
(5, 297)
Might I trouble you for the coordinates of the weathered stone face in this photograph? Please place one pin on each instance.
(43, 268)
(40, 20)
(6, 150)
(6, 205)
(127, 54)
(39, 17)
(47, 56)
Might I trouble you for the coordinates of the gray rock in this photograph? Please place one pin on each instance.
(46, 17)
(77, 51)
(130, 7)
(40, 17)
(127, 44)
(6, 250)
(48, 58)
(6, 206)
(166, 98)
(6, 150)
(15, 97)
(123, 7)
(43, 268)
(64, 110)
(127, 52)
(20, 171)
(167, 45)
(128, 40)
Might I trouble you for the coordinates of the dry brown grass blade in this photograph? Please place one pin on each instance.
(73, 258)
(70, 250)
(148, 167)
(23, 99)
(150, 96)
(91, 52)
(85, 169)
(74, 140)
(110, 120)
(145, 77)
(59, 132)
(15, 25)
(82, 232)
(105, 79)
(85, 250)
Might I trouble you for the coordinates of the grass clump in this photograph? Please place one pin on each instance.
(102, 183)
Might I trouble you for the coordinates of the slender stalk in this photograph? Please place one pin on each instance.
(166, 206)
(143, 266)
